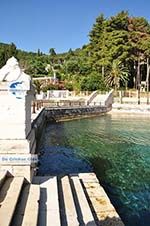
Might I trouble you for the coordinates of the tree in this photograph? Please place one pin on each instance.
(120, 41)
(36, 67)
(52, 52)
(39, 53)
(38, 86)
(118, 73)
(70, 53)
(2, 58)
(12, 50)
(7, 51)
(92, 82)
(109, 41)
(120, 38)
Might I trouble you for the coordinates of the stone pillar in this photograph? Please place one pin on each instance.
(17, 138)
(120, 96)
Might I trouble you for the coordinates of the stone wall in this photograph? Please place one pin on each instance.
(38, 124)
(58, 114)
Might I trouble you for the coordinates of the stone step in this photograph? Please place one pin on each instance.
(4, 188)
(26, 212)
(49, 213)
(83, 208)
(3, 176)
(75, 200)
(69, 205)
(103, 208)
(32, 206)
(9, 197)
(21, 205)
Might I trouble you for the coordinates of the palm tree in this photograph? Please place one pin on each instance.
(118, 73)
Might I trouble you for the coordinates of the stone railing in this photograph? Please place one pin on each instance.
(109, 99)
(61, 103)
(131, 97)
(38, 104)
(91, 97)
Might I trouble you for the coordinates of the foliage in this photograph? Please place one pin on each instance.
(93, 82)
(118, 73)
(69, 86)
(52, 52)
(36, 67)
(38, 86)
(7, 51)
(115, 46)
(50, 87)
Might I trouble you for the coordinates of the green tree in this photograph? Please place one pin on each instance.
(36, 67)
(12, 50)
(117, 74)
(2, 58)
(122, 38)
(94, 81)
(109, 41)
(38, 86)
(52, 52)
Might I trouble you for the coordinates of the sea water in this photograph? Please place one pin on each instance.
(116, 148)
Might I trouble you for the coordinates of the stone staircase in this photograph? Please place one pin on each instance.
(101, 99)
(71, 200)
(18, 201)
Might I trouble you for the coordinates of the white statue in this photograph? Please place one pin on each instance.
(12, 73)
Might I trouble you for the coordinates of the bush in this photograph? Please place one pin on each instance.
(50, 87)
(69, 86)
(93, 82)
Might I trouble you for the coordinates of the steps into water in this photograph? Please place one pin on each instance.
(74, 200)
(69, 200)
(18, 202)
(10, 199)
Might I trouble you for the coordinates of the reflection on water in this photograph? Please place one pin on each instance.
(119, 151)
(57, 156)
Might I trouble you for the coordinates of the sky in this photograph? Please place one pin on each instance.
(59, 24)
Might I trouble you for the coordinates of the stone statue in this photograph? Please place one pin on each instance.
(13, 74)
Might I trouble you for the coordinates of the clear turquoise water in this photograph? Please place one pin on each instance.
(117, 149)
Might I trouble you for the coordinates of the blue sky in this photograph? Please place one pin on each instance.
(59, 24)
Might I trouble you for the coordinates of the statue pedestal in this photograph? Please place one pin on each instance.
(17, 138)
(15, 115)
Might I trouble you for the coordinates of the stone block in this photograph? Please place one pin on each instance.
(19, 146)
(15, 131)
(25, 171)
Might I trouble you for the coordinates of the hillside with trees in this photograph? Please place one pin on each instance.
(117, 56)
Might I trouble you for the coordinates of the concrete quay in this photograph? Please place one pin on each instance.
(29, 200)
(53, 200)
